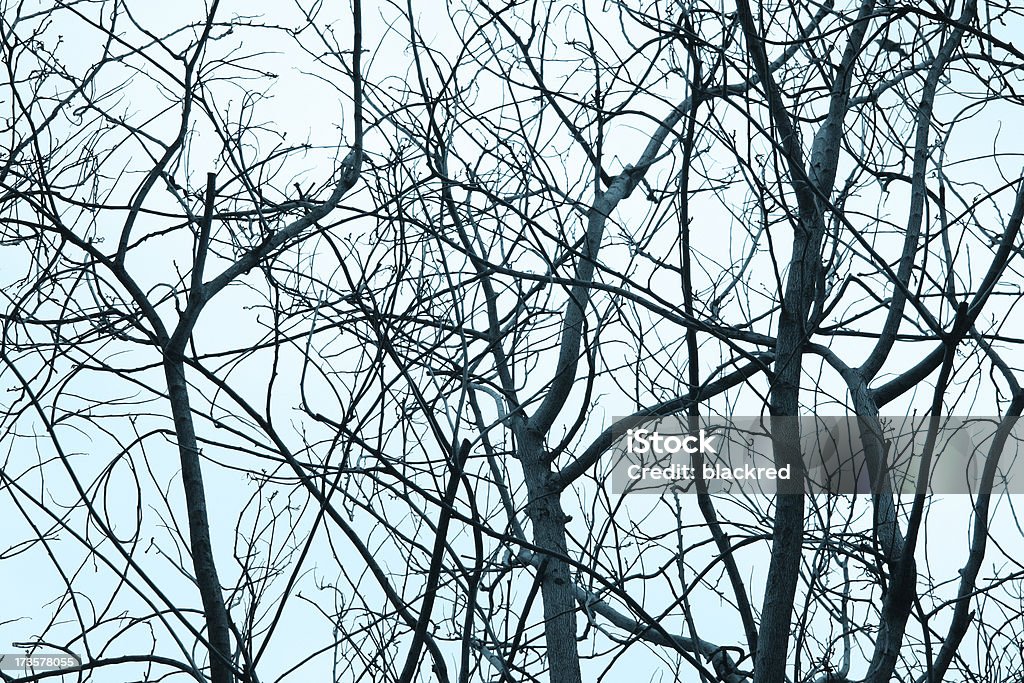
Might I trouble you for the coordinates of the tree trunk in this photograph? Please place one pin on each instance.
(557, 590)
(198, 524)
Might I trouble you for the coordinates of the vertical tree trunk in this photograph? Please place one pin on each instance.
(557, 591)
(788, 527)
(810, 184)
(198, 523)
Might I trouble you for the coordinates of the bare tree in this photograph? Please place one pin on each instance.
(349, 407)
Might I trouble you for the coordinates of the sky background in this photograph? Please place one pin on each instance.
(307, 101)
